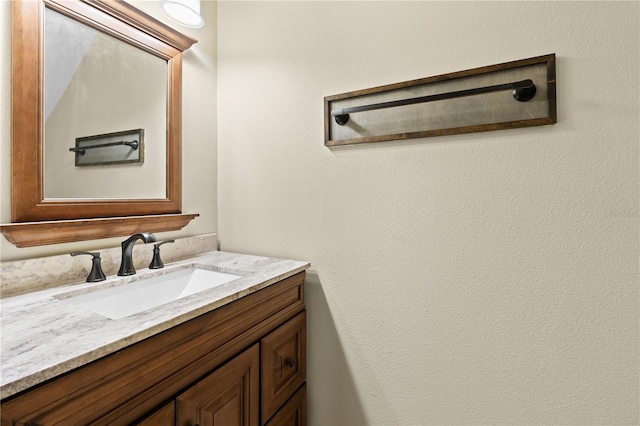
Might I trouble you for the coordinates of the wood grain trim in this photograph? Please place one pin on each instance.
(445, 132)
(27, 195)
(104, 21)
(30, 234)
(140, 20)
(26, 106)
(127, 385)
(444, 77)
(28, 204)
(551, 87)
(174, 133)
(551, 95)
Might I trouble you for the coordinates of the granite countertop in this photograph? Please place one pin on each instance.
(43, 336)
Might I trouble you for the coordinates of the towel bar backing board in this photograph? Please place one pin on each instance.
(110, 148)
(465, 114)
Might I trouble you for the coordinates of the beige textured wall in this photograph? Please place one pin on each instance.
(199, 134)
(474, 279)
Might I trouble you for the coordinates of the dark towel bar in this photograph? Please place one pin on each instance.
(522, 91)
(81, 150)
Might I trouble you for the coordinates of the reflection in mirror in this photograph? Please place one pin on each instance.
(95, 84)
(61, 217)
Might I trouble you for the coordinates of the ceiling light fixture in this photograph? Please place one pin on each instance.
(184, 12)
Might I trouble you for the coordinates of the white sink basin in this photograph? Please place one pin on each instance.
(128, 299)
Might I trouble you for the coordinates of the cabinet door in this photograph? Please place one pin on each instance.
(294, 412)
(166, 416)
(227, 397)
(283, 364)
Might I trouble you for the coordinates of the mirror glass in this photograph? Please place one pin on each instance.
(95, 84)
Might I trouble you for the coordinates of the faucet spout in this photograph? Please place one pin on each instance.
(126, 265)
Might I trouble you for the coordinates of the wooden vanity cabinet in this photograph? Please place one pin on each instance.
(241, 364)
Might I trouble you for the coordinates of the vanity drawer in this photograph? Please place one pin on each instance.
(283, 364)
(294, 412)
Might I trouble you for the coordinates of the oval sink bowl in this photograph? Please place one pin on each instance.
(138, 296)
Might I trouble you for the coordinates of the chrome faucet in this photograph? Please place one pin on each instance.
(126, 265)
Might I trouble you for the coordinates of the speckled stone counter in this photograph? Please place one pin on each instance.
(43, 336)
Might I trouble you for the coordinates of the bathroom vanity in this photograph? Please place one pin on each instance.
(232, 353)
(235, 354)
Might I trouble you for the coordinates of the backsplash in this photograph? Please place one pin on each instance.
(24, 276)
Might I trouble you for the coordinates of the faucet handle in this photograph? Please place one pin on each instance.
(96, 273)
(156, 262)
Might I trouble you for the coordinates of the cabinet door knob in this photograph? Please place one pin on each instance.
(290, 362)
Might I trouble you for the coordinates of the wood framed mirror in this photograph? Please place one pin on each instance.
(40, 218)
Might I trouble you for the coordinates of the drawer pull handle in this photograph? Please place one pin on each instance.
(290, 362)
